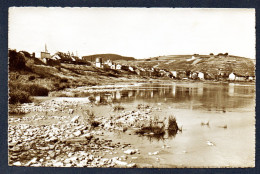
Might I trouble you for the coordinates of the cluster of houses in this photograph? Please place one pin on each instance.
(99, 62)
(178, 74)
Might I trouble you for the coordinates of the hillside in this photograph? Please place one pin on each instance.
(105, 57)
(203, 63)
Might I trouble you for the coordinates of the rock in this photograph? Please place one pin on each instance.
(75, 119)
(134, 157)
(77, 133)
(210, 143)
(88, 136)
(18, 163)
(121, 163)
(71, 111)
(156, 153)
(57, 164)
(131, 151)
(124, 157)
(131, 165)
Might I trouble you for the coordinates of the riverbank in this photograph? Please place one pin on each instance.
(103, 134)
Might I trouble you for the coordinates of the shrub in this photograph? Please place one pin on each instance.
(91, 99)
(31, 78)
(118, 108)
(35, 90)
(172, 124)
(31, 89)
(16, 60)
(18, 96)
(155, 129)
(63, 80)
(95, 124)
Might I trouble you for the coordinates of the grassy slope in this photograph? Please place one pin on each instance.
(230, 64)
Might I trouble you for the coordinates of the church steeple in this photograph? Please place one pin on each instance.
(46, 51)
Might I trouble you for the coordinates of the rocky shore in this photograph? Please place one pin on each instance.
(53, 134)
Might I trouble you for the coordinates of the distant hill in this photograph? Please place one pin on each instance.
(105, 57)
(203, 63)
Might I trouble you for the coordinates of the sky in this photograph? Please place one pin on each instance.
(134, 32)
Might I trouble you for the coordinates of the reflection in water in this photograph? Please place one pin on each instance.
(169, 134)
(190, 95)
(231, 89)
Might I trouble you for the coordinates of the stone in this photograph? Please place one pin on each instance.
(77, 133)
(75, 119)
(121, 163)
(131, 165)
(57, 164)
(18, 163)
(71, 111)
(131, 151)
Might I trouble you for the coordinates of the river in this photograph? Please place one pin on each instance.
(228, 140)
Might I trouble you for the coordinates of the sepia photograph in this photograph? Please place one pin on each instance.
(131, 87)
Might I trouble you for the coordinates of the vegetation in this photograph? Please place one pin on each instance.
(16, 60)
(18, 96)
(159, 128)
(118, 108)
(20, 92)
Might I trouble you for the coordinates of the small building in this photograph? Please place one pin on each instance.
(137, 71)
(108, 62)
(232, 76)
(201, 76)
(118, 66)
(99, 62)
(113, 66)
(131, 68)
(174, 74)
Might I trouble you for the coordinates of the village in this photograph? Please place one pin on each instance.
(223, 72)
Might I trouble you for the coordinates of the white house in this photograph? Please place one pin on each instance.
(118, 66)
(174, 73)
(201, 75)
(131, 68)
(99, 62)
(232, 76)
(113, 66)
(109, 62)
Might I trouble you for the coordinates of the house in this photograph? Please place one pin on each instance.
(137, 71)
(108, 62)
(232, 76)
(131, 68)
(174, 74)
(193, 75)
(113, 66)
(237, 77)
(99, 62)
(56, 57)
(118, 66)
(201, 75)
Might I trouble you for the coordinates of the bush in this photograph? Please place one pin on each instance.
(31, 78)
(63, 80)
(18, 96)
(118, 108)
(154, 127)
(31, 89)
(16, 60)
(172, 124)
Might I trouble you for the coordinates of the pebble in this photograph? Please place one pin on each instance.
(131, 151)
